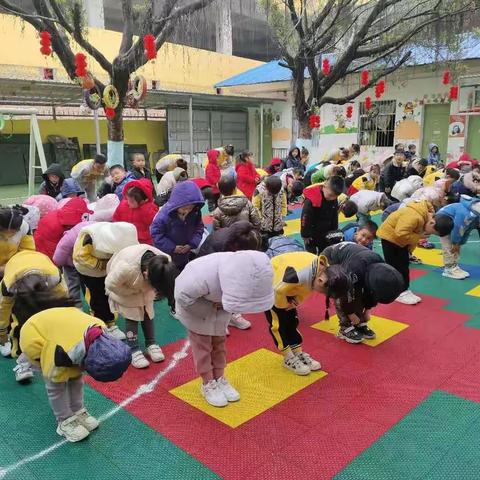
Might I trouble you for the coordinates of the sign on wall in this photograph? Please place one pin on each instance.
(456, 127)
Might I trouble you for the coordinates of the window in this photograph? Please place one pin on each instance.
(377, 125)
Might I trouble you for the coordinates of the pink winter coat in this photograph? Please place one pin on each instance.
(63, 253)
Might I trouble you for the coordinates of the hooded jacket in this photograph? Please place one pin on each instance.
(406, 226)
(53, 225)
(47, 187)
(20, 241)
(275, 162)
(70, 186)
(169, 180)
(57, 334)
(363, 182)
(212, 170)
(232, 209)
(322, 173)
(44, 203)
(247, 178)
(405, 188)
(143, 215)
(465, 216)
(64, 250)
(319, 215)
(433, 158)
(271, 208)
(240, 281)
(168, 230)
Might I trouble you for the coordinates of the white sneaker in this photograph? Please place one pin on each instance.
(6, 349)
(213, 395)
(230, 393)
(463, 272)
(139, 360)
(294, 364)
(408, 298)
(455, 272)
(23, 372)
(237, 321)
(307, 360)
(155, 353)
(86, 420)
(115, 332)
(72, 430)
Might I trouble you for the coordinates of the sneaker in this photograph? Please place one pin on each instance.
(115, 332)
(213, 395)
(426, 244)
(408, 298)
(365, 332)
(350, 335)
(294, 364)
(455, 272)
(463, 272)
(414, 259)
(307, 360)
(237, 321)
(155, 353)
(6, 349)
(72, 430)
(139, 360)
(86, 420)
(23, 372)
(230, 393)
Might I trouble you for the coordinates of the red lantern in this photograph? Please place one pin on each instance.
(325, 66)
(80, 65)
(349, 112)
(109, 113)
(454, 92)
(446, 77)
(381, 86)
(46, 43)
(314, 121)
(364, 78)
(368, 103)
(149, 45)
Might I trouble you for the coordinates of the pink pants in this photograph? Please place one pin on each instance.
(209, 355)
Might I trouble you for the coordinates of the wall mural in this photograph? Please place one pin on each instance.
(339, 123)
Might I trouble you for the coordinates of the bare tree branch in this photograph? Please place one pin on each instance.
(127, 35)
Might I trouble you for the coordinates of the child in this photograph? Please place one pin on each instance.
(138, 208)
(296, 276)
(95, 245)
(367, 181)
(275, 166)
(294, 159)
(177, 228)
(134, 276)
(368, 201)
(63, 342)
(205, 188)
(225, 159)
(468, 183)
(44, 203)
(168, 182)
(393, 172)
(88, 172)
(324, 172)
(270, 201)
(233, 208)
(466, 218)
(119, 178)
(247, 177)
(53, 179)
(53, 225)
(139, 170)
(411, 153)
(362, 234)
(212, 176)
(373, 282)
(320, 213)
(404, 188)
(434, 155)
(27, 272)
(71, 189)
(418, 167)
(207, 292)
(400, 234)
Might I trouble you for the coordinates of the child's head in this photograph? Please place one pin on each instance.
(297, 173)
(135, 197)
(354, 165)
(385, 202)
(11, 220)
(117, 172)
(304, 154)
(245, 157)
(296, 188)
(333, 281)
(440, 225)
(138, 161)
(452, 174)
(227, 185)
(399, 147)
(161, 274)
(99, 162)
(354, 149)
(273, 184)
(434, 149)
(53, 179)
(182, 212)
(276, 164)
(338, 171)
(207, 193)
(333, 187)
(229, 150)
(242, 236)
(398, 158)
(422, 165)
(349, 208)
(182, 164)
(366, 233)
(412, 148)
(375, 171)
(295, 152)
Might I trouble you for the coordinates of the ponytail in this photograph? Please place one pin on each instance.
(161, 274)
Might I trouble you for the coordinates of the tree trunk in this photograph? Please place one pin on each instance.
(115, 126)
(301, 106)
(304, 130)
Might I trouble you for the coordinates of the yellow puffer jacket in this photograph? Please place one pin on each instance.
(406, 226)
(49, 335)
(364, 182)
(288, 281)
(10, 245)
(430, 178)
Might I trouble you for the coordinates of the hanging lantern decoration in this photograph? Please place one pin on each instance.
(368, 103)
(109, 113)
(326, 66)
(80, 65)
(379, 89)
(454, 92)
(349, 111)
(149, 46)
(111, 98)
(46, 43)
(446, 77)
(314, 121)
(364, 78)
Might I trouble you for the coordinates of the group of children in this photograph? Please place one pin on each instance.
(99, 241)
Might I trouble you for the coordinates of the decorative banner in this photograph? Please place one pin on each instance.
(456, 127)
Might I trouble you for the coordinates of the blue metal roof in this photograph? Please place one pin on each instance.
(273, 71)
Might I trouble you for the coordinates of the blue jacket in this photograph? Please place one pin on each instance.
(294, 162)
(168, 230)
(349, 235)
(433, 158)
(466, 217)
(119, 186)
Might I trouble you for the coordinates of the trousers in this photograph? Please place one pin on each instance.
(65, 398)
(131, 331)
(398, 258)
(283, 326)
(74, 285)
(98, 298)
(450, 259)
(209, 355)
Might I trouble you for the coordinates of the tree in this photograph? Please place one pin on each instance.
(358, 34)
(64, 20)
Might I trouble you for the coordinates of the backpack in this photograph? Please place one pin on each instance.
(280, 244)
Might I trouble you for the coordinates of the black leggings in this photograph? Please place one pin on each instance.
(98, 298)
(398, 258)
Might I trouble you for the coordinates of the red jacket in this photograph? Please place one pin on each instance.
(212, 171)
(54, 224)
(246, 178)
(143, 215)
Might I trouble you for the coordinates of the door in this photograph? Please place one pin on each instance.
(435, 128)
(230, 128)
(473, 136)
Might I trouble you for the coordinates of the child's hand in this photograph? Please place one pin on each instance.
(292, 303)
(217, 306)
(354, 319)
(178, 249)
(186, 248)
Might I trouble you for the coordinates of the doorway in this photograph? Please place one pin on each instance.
(435, 128)
(473, 136)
